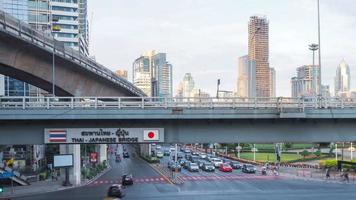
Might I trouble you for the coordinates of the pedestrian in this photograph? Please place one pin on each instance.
(327, 175)
(346, 176)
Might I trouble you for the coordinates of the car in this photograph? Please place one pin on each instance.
(158, 147)
(208, 167)
(188, 156)
(166, 153)
(175, 166)
(224, 167)
(170, 163)
(118, 158)
(193, 167)
(180, 155)
(182, 161)
(200, 163)
(126, 154)
(186, 164)
(127, 179)
(209, 157)
(235, 164)
(225, 160)
(202, 155)
(248, 168)
(195, 159)
(171, 149)
(187, 151)
(194, 153)
(159, 154)
(115, 191)
(216, 162)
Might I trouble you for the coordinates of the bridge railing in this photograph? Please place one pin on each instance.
(281, 103)
(19, 29)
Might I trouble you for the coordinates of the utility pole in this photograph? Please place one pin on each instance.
(217, 90)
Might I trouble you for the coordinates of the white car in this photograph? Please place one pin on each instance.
(202, 155)
(159, 154)
(158, 147)
(216, 162)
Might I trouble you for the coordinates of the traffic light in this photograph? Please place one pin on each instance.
(1, 189)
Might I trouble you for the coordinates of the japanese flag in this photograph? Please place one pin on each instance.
(150, 135)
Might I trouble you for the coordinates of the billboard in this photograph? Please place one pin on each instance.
(63, 160)
(103, 135)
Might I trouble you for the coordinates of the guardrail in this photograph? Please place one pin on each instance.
(281, 103)
(19, 29)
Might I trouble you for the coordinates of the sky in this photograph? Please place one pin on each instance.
(206, 37)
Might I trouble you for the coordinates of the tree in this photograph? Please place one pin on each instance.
(305, 153)
(317, 153)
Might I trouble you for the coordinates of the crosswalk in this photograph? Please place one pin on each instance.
(141, 180)
(228, 177)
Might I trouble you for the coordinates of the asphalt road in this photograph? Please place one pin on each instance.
(148, 185)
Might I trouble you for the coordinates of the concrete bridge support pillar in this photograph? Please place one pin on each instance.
(103, 152)
(145, 149)
(75, 171)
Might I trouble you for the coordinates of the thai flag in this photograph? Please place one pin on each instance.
(57, 136)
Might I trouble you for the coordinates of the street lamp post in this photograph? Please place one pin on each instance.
(319, 46)
(217, 90)
(313, 47)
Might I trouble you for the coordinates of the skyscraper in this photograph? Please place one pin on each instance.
(306, 81)
(186, 86)
(153, 74)
(246, 83)
(272, 83)
(69, 23)
(342, 78)
(258, 50)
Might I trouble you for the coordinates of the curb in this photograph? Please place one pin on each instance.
(154, 168)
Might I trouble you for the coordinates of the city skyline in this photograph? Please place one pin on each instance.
(215, 46)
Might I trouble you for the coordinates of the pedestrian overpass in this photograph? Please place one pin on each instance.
(23, 120)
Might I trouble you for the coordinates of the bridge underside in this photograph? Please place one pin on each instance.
(198, 131)
(32, 64)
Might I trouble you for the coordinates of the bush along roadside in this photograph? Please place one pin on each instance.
(150, 159)
(91, 172)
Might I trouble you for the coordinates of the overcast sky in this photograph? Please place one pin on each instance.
(206, 37)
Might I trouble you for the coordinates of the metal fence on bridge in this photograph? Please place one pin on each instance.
(280, 103)
(21, 30)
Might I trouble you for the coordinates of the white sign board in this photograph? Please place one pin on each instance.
(64, 160)
(103, 135)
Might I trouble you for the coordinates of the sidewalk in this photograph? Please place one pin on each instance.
(44, 187)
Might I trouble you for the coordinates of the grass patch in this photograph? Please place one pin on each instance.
(270, 157)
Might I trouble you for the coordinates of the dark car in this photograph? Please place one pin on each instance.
(182, 161)
(118, 158)
(235, 165)
(180, 155)
(208, 167)
(127, 179)
(126, 155)
(188, 157)
(248, 168)
(200, 163)
(195, 159)
(115, 191)
(166, 153)
(175, 166)
(186, 164)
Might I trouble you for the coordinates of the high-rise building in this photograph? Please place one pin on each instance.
(122, 73)
(246, 82)
(272, 83)
(186, 86)
(342, 78)
(153, 74)
(258, 50)
(325, 91)
(69, 23)
(306, 81)
(39, 15)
